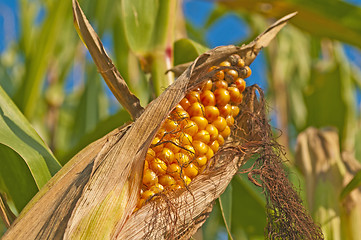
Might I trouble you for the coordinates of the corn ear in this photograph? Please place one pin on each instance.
(75, 203)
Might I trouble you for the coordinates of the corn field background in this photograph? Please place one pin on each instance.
(53, 102)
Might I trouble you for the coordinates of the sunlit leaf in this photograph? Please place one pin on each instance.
(337, 19)
(329, 97)
(127, 62)
(88, 110)
(103, 127)
(249, 214)
(186, 50)
(19, 184)
(353, 184)
(225, 203)
(37, 60)
(139, 18)
(212, 225)
(27, 163)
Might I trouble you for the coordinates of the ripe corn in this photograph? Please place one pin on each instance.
(194, 130)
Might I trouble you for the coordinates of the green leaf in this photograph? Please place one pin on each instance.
(186, 50)
(161, 55)
(212, 225)
(249, 214)
(195, 33)
(215, 15)
(23, 152)
(88, 110)
(37, 59)
(358, 145)
(329, 97)
(127, 63)
(139, 18)
(163, 32)
(225, 203)
(336, 20)
(18, 181)
(353, 184)
(102, 128)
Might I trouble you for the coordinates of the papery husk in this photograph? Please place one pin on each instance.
(93, 196)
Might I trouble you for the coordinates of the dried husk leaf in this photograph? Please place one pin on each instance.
(7, 216)
(95, 193)
(104, 64)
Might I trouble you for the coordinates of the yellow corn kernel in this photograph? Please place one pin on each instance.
(235, 111)
(200, 148)
(220, 123)
(182, 159)
(189, 127)
(189, 151)
(211, 113)
(207, 85)
(210, 153)
(201, 122)
(174, 170)
(208, 98)
(213, 131)
(185, 139)
(185, 103)
(229, 120)
(157, 146)
(201, 161)
(185, 180)
(166, 155)
(158, 166)
(226, 132)
(249, 72)
(148, 194)
(157, 188)
(191, 170)
(173, 145)
(196, 109)
(166, 180)
(150, 177)
(214, 145)
(170, 125)
(220, 139)
(193, 97)
(202, 136)
(222, 96)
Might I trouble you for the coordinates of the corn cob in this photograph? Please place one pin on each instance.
(194, 130)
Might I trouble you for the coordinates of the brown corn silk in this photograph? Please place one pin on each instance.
(94, 195)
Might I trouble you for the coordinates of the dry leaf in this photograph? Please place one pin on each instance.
(104, 64)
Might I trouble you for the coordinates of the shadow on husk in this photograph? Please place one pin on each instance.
(178, 214)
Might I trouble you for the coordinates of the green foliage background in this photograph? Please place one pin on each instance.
(311, 82)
